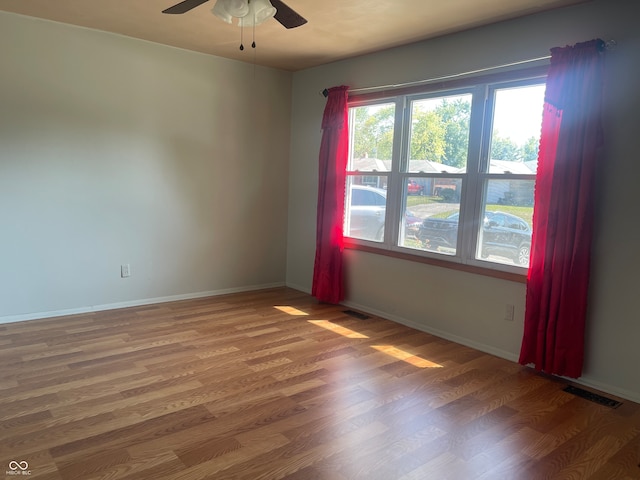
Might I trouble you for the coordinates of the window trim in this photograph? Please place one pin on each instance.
(475, 178)
(351, 244)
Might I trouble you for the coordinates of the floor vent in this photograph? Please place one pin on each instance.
(593, 397)
(358, 315)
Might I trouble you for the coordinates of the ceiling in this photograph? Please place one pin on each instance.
(336, 29)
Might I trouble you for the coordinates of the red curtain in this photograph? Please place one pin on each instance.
(558, 277)
(327, 272)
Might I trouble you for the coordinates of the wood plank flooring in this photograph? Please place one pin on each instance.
(270, 385)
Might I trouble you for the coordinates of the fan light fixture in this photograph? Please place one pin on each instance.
(248, 12)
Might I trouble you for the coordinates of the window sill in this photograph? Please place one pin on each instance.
(488, 272)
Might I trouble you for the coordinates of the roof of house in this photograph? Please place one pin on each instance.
(369, 164)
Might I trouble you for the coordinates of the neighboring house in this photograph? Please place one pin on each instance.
(499, 192)
(511, 192)
(430, 186)
(371, 165)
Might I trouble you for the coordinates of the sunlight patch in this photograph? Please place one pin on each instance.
(406, 356)
(290, 310)
(345, 332)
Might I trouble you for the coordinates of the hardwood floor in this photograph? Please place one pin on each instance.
(270, 384)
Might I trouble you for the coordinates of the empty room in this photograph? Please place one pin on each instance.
(319, 240)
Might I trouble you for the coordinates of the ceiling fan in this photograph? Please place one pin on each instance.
(284, 14)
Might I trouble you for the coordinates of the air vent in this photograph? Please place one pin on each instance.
(358, 315)
(592, 397)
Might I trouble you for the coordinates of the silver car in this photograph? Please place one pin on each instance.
(365, 219)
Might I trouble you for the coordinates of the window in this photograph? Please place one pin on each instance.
(447, 174)
(371, 138)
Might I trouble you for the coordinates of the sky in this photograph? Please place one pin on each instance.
(518, 112)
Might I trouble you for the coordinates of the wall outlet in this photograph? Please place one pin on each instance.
(125, 270)
(508, 312)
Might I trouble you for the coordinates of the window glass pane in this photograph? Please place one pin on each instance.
(365, 207)
(431, 220)
(439, 140)
(515, 137)
(371, 137)
(505, 236)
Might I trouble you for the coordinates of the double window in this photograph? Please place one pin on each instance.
(446, 174)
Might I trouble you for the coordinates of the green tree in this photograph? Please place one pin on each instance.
(530, 149)
(440, 135)
(455, 116)
(505, 149)
(427, 136)
(373, 132)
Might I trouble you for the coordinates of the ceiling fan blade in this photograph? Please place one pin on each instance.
(286, 15)
(184, 6)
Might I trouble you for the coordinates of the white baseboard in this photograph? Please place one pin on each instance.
(299, 288)
(585, 381)
(135, 303)
(438, 333)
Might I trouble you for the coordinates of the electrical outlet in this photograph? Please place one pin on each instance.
(508, 312)
(125, 270)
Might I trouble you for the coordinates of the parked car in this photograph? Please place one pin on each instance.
(439, 232)
(414, 188)
(412, 223)
(506, 235)
(367, 214)
(503, 234)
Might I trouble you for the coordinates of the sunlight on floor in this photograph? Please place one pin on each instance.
(406, 356)
(345, 332)
(290, 310)
(395, 352)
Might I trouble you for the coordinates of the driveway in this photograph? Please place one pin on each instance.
(429, 209)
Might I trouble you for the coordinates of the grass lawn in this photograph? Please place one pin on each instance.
(413, 200)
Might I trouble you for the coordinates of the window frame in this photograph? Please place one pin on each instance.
(473, 182)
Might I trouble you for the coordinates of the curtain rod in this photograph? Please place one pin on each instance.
(610, 44)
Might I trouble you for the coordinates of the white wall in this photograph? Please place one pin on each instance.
(466, 307)
(115, 150)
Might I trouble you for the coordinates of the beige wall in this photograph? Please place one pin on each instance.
(466, 307)
(115, 150)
